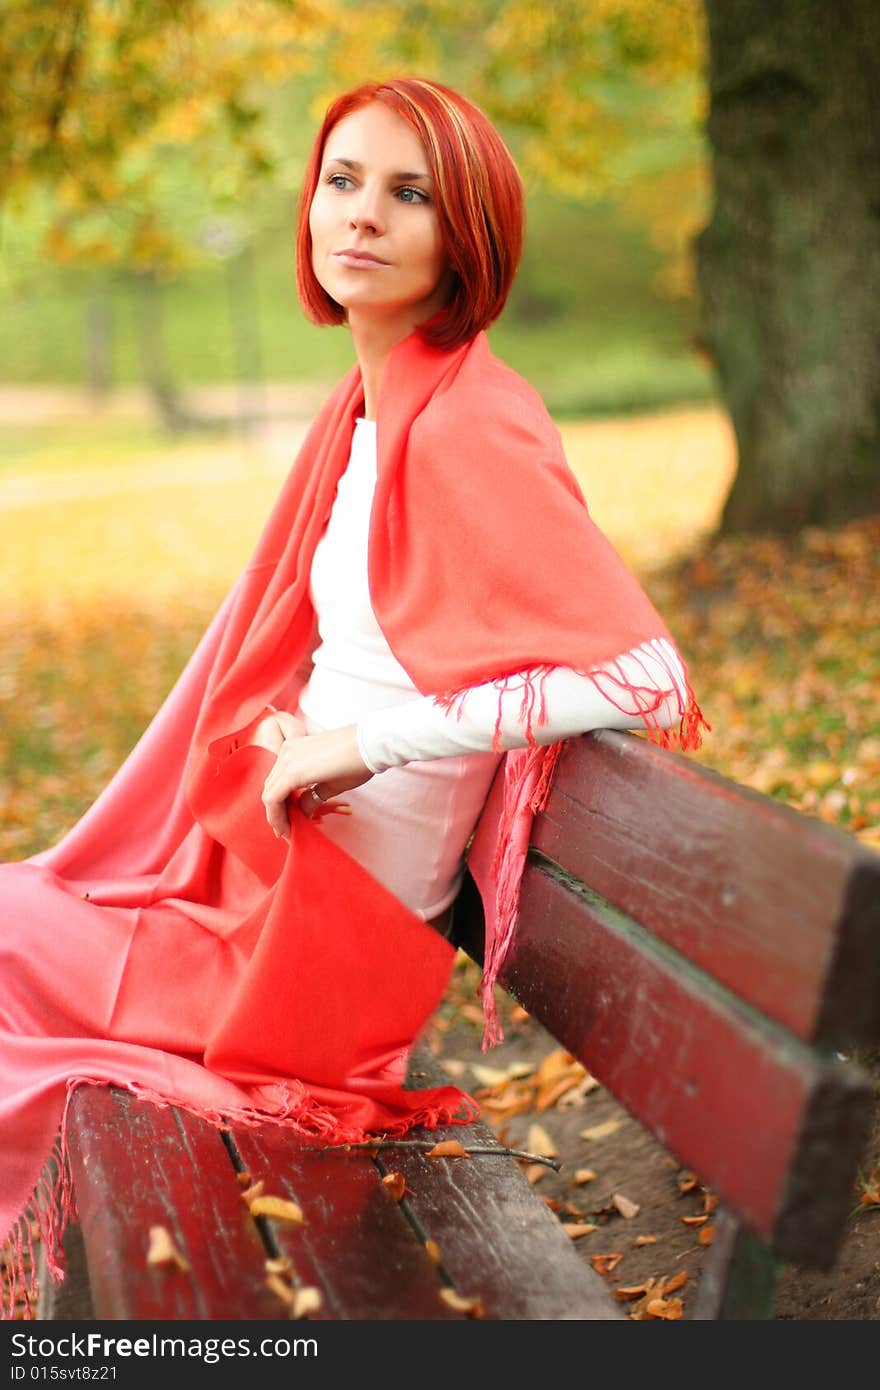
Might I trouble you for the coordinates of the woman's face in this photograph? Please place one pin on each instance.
(376, 246)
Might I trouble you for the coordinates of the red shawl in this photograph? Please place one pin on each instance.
(170, 943)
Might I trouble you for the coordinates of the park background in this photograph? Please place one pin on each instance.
(697, 305)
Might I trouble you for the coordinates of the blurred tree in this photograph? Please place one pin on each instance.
(789, 266)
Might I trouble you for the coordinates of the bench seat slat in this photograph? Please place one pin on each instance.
(137, 1165)
(496, 1242)
(358, 1247)
(728, 1092)
(781, 908)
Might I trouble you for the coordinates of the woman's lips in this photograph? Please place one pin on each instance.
(356, 260)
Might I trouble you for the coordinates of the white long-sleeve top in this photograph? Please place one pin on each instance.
(410, 825)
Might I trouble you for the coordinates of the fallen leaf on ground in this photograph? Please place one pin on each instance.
(646, 1240)
(535, 1172)
(671, 1309)
(449, 1148)
(162, 1251)
(626, 1208)
(539, 1142)
(584, 1175)
(604, 1264)
(693, 1220)
(576, 1229)
(706, 1236)
(517, 1070)
(279, 1209)
(633, 1291)
(687, 1182)
(454, 1067)
(471, 1306)
(305, 1301)
(601, 1131)
(395, 1185)
(489, 1076)
(677, 1281)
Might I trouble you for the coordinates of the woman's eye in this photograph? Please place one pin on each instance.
(412, 195)
(338, 180)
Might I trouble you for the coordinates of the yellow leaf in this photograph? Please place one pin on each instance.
(601, 1131)
(395, 1185)
(576, 1229)
(489, 1076)
(645, 1240)
(162, 1251)
(471, 1306)
(539, 1142)
(626, 1208)
(584, 1175)
(305, 1301)
(279, 1208)
(449, 1148)
(535, 1172)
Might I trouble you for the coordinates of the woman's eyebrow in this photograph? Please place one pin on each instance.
(357, 167)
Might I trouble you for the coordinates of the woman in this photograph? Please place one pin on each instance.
(238, 923)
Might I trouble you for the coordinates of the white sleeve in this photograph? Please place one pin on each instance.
(573, 704)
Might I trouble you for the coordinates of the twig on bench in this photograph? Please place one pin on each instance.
(427, 1144)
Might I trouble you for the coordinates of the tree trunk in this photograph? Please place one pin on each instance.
(152, 350)
(789, 265)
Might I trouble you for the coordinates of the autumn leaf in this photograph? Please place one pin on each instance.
(448, 1148)
(279, 1209)
(576, 1229)
(163, 1252)
(602, 1131)
(667, 1308)
(539, 1142)
(706, 1236)
(584, 1175)
(535, 1172)
(687, 1182)
(395, 1185)
(632, 1291)
(646, 1240)
(305, 1301)
(626, 1208)
(604, 1264)
(472, 1307)
(693, 1220)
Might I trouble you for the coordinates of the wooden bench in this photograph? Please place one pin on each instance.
(706, 952)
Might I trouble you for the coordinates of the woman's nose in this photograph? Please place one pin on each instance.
(366, 213)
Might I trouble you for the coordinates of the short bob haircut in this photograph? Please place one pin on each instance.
(478, 195)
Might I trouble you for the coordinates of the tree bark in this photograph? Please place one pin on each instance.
(789, 264)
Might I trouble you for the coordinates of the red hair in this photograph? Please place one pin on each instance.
(479, 199)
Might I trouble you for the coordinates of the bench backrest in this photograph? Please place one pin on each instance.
(704, 951)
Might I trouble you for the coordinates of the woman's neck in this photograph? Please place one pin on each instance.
(373, 341)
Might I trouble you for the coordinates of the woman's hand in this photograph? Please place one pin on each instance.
(317, 766)
(271, 732)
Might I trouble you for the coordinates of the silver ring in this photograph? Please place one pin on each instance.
(316, 794)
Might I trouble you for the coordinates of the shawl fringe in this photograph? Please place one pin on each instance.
(529, 777)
